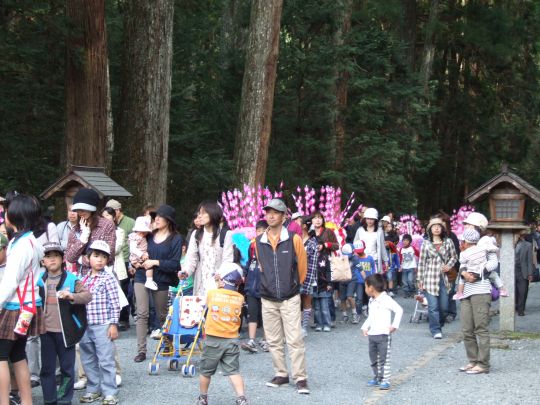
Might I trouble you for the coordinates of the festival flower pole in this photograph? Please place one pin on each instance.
(456, 220)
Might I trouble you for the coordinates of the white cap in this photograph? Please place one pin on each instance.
(386, 218)
(347, 249)
(295, 215)
(100, 245)
(142, 224)
(477, 219)
(371, 213)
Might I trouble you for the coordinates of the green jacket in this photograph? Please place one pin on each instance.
(126, 224)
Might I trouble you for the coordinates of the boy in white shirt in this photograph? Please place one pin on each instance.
(378, 327)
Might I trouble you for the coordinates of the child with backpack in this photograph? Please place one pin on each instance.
(64, 312)
(252, 274)
(362, 267)
(221, 328)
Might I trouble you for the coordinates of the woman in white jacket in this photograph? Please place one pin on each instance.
(373, 237)
(206, 252)
(21, 273)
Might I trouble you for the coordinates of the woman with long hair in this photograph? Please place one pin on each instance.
(437, 257)
(164, 254)
(23, 267)
(373, 237)
(205, 252)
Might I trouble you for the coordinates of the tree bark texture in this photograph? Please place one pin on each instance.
(408, 31)
(142, 146)
(429, 46)
(341, 84)
(86, 84)
(255, 119)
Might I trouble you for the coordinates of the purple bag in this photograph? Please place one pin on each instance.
(494, 293)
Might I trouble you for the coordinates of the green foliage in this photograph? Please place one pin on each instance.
(404, 151)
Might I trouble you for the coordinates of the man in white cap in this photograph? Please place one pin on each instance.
(283, 264)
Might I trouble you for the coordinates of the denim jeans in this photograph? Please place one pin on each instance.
(52, 347)
(360, 290)
(437, 308)
(321, 307)
(408, 281)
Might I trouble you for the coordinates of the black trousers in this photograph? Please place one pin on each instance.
(52, 347)
(522, 290)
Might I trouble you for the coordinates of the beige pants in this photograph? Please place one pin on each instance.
(475, 328)
(282, 322)
(160, 302)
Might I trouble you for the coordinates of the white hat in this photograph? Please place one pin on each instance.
(386, 218)
(100, 245)
(371, 213)
(295, 215)
(347, 249)
(142, 224)
(476, 219)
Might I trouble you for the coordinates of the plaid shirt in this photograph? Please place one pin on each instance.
(430, 263)
(312, 256)
(104, 308)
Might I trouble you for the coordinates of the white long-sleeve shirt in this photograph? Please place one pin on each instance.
(24, 254)
(380, 315)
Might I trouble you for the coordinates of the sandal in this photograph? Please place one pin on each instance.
(467, 367)
(477, 370)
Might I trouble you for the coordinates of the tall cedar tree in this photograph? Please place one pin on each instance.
(141, 153)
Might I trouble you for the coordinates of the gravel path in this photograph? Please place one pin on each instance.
(424, 370)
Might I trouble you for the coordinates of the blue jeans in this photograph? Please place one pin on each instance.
(437, 308)
(97, 358)
(321, 307)
(360, 290)
(407, 278)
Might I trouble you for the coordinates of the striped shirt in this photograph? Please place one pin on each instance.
(104, 308)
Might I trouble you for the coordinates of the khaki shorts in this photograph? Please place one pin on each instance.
(222, 351)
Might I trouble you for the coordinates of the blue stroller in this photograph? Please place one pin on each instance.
(181, 335)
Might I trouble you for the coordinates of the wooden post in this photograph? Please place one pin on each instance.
(507, 317)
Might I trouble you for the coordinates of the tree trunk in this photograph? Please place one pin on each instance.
(255, 119)
(408, 32)
(429, 47)
(86, 84)
(142, 126)
(341, 85)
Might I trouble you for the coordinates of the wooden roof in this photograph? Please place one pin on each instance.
(506, 176)
(89, 177)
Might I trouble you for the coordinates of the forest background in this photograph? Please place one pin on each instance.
(410, 104)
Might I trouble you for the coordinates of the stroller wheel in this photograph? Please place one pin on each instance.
(173, 365)
(191, 370)
(153, 368)
(184, 370)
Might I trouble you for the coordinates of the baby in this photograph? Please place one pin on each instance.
(474, 258)
(138, 247)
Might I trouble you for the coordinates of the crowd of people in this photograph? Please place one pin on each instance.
(67, 291)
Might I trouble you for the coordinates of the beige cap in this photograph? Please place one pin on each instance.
(115, 205)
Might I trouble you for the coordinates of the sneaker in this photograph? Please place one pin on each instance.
(202, 400)
(156, 334)
(384, 386)
(242, 400)
(503, 292)
(301, 387)
(355, 319)
(345, 318)
(14, 398)
(277, 381)
(80, 385)
(373, 383)
(151, 285)
(457, 296)
(318, 329)
(90, 397)
(264, 345)
(437, 336)
(450, 318)
(327, 329)
(365, 311)
(118, 380)
(249, 346)
(110, 400)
